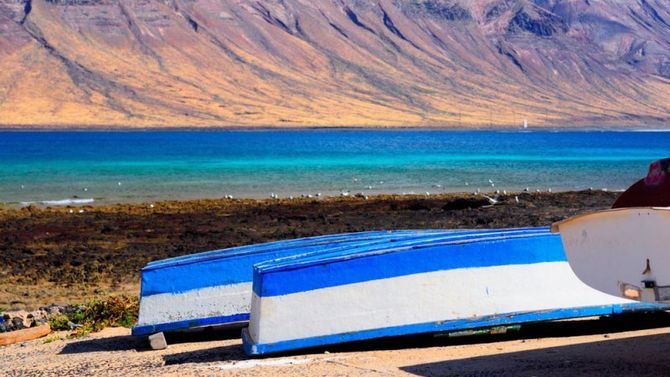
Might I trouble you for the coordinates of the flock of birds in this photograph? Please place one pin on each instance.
(346, 193)
(493, 200)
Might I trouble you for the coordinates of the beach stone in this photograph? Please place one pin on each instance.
(53, 309)
(157, 341)
(21, 319)
(39, 315)
(17, 323)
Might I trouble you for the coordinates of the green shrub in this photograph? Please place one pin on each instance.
(114, 311)
(59, 322)
(51, 339)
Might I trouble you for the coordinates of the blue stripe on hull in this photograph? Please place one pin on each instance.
(319, 271)
(192, 323)
(285, 244)
(455, 325)
(291, 261)
(224, 268)
(241, 250)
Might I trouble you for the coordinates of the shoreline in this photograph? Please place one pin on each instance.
(79, 202)
(94, 202)
(71, 254)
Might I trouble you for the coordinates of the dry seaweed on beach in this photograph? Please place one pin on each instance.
(58, 255)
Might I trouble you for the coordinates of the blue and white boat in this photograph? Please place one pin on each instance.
(214, 288)
(461, 281)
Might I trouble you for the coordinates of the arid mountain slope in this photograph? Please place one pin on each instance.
(443, 63)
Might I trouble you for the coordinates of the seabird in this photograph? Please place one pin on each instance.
(491, 200)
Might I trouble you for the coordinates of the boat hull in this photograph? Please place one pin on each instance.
(214, 288)
(484, 281)
(621, 251)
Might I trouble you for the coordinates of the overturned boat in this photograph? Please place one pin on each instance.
(214, 288)
(625, 251)
(453, 284)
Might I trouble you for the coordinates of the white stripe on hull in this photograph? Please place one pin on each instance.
(608, 250)
(421, 298)
(201, 303)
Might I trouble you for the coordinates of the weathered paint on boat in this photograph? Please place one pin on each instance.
(214, 288)
(210, 288)
(620, 251)
(487, 280)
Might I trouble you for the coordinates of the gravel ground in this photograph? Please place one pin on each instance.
(629, 346)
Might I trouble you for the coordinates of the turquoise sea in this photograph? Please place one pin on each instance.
(99, 166)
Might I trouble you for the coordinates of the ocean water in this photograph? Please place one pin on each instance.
(85, 167)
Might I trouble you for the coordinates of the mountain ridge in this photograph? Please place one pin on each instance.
(389, 63)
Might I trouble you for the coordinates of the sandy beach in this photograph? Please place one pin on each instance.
(631, 346)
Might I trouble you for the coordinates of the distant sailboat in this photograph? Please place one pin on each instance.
(525, 124)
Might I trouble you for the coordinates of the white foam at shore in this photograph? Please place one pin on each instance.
(61, 202)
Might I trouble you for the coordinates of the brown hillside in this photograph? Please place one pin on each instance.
(144, 63)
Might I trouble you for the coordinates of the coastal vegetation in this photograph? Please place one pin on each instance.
(95, 315)
(55, 255)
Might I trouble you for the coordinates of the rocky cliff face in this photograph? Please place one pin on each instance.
(334, 62)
